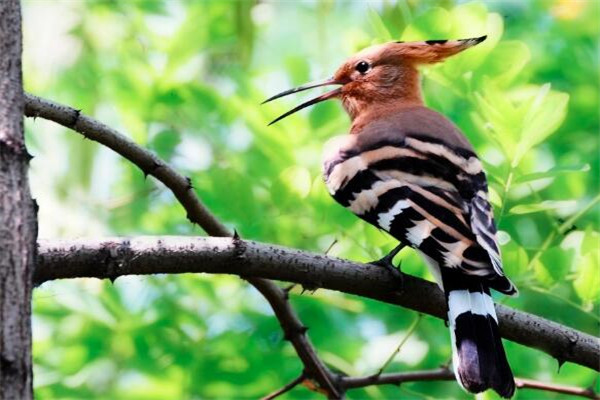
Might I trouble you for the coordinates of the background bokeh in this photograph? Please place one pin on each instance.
(185, 79)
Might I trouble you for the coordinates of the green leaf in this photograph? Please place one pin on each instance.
(548, 205)
(546, 112)
(436, 23)
(553, 265)
(164, 143)
(514, 259)
(381, 31)
(497, 117)
(552, 173)
(591, 242)
(587, 282)
(494, 197)
(505, 62)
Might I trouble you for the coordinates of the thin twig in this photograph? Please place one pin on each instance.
(330, 246)
(561, 230)
(523, 383)
(440, 374)
(410, 331)
(445, 374)
(113, 257)
(289, 386)
(197, 213)
(295, 332)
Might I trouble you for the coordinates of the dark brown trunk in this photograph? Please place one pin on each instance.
(18, 226)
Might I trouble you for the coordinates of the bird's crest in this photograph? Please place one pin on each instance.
(423, 52)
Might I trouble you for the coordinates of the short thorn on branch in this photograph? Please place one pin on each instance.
(190, 185)
(288, 289)
(150, 171)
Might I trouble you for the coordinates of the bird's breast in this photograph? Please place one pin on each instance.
(336, 170)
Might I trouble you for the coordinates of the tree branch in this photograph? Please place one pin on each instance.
(523, 383)
(289, 386)
(197, 213)
(113, 257)
(440, 374)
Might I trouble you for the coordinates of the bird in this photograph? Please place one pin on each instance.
(411, 172)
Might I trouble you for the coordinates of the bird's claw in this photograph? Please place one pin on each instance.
(386, 262)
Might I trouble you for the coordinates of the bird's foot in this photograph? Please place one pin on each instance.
(386, 262)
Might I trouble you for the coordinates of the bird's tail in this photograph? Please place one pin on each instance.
(477, 353)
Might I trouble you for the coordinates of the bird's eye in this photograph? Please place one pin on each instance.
(363, 67)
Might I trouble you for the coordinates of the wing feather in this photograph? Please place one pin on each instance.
(429, 196)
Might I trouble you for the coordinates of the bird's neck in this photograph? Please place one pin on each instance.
(382, 102)
(381, 110)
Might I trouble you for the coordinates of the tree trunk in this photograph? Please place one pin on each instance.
(18, 226)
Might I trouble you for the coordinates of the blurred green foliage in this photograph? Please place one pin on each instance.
(185, 79)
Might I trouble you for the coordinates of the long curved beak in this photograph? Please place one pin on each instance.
(318, 99)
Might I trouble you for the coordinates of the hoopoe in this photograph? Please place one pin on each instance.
(411, 172)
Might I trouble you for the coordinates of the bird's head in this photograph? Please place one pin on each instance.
(381, 75)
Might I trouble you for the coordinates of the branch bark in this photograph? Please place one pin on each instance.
(18, 229)
(114, 257)
(197, 213)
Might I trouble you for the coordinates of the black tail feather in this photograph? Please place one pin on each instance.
(479, 359)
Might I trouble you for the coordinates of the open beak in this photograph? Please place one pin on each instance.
(318, 99)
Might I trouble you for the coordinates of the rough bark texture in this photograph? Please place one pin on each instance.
(114, 257)
(18, 228)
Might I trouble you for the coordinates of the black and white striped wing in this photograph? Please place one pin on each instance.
(427, 195)
(484, 227)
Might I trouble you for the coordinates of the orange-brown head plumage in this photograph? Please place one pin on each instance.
(383, 76)
(387, 73)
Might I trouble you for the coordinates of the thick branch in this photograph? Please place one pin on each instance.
(197, 213)
(18, 224)
(113, 257)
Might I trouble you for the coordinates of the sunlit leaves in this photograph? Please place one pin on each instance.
(381, 32)
(553, 265)
(548, 205)
(165, 142)
(514, 259)
(587, 281)
(545, 110)
(520, 121)
(586, 246)
(430, 25)
(552, 173)
(505, 62)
